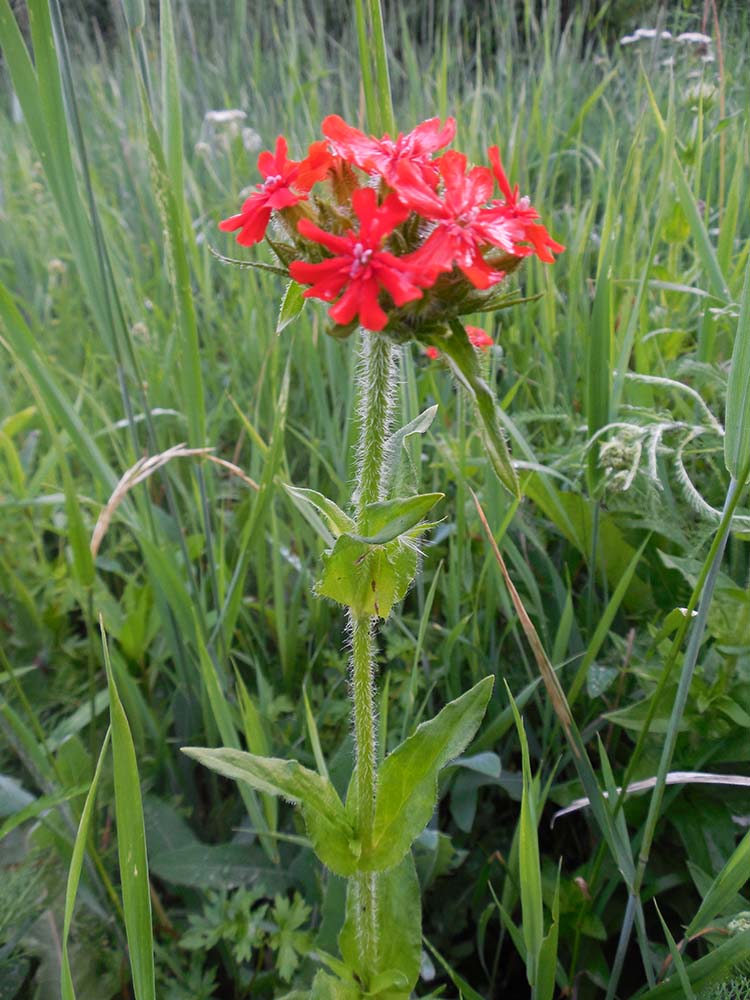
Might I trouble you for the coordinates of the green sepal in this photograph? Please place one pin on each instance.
(464, 363)
(368, 578)
(407, 782)
(330, 831)
(399, 922)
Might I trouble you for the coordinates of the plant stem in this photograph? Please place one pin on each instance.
(376, 377)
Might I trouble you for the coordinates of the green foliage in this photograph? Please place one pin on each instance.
(407, 782)
(331, 833)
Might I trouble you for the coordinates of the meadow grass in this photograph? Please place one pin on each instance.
(122, 335)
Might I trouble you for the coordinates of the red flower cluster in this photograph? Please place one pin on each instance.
(393, 229)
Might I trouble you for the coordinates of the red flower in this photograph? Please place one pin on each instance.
(522, 215)
(286, 183)
(382, 156)
(359, 269)
(462, 229)
(478, 337)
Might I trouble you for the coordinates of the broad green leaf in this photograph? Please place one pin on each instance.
(464, 363)
(367, 578)
(330, 831)
(737, 422)
(399, 923)
(131, 845)
(530, 871)
(385, 520)
(407, 783)
(74, 872)
(291, 306)
(304, 500)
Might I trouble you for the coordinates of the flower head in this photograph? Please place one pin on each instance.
(520, 217)
(360, 269)
(286, 183)
(462, 229)
(383, 156)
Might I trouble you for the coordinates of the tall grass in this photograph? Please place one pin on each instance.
(123, 335)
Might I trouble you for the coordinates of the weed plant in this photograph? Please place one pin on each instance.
(123, 336)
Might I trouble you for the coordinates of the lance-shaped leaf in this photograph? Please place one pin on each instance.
(310, 503)
(387, 519)
(330, 831)
(396, 448)
(465, 366)
(368, 578)
(737, 424)
(399, 923)
(407, 783)
(528, 858)
(291, 306)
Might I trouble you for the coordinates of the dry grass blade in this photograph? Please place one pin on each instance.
(673, 778)
(554, 689)
(146, 467)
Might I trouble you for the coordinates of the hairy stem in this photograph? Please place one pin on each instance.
(377, 374)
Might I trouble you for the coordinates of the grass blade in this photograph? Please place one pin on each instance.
(74, 871)
(131, 843)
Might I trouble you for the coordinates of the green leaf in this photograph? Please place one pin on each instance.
(737, 422)
(327, 987)
(330, 831)
(548, 952)
(407, 783)
(396, 446)
(399, 923)
(707, 971)
(387, 519)
(307, 501)
(367, 578)
(74, 872)
(291, 306)
(131, 845)
(464, 363)
(721, 894)
(677, 959)
(530, 871)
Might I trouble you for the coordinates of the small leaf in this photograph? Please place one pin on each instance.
(407, 783)
(396, 446)
(307, 501)
(291, 306)
(737, 422)
(387, 519)
(330, 831)
(367, 578)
